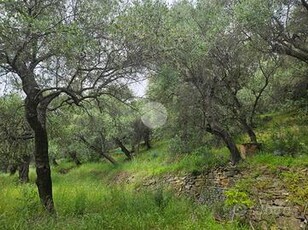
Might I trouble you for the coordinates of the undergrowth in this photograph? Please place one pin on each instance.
(84, 202)
(89, 197)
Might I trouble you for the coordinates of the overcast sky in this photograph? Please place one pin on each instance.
(139, 88)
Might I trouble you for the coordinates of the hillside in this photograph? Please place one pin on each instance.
(159, 190)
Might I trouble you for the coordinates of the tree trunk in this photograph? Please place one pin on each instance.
(235, 154)
(12, 169)
(36, 118)
(226, 137)
(133, 149)
(74, 157)
(251, 134)
(249, 130)
(242, 119)
(97, 150)
(147, 138)
(23, 169)
(54, 161)
(123, 148)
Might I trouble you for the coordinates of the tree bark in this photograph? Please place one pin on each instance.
(242, 118)
(23, 169)
(146, 138)
(97, 150)
(74, 157)
(226, 137)
(123, 148)
(12, 169)
(36, 118)
(292, 51)
(249, 130)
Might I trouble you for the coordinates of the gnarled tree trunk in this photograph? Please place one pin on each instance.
(249, 130)
(226, 137)
(123, 148)
(36, 117)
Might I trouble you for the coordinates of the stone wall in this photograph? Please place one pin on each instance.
(272, 209)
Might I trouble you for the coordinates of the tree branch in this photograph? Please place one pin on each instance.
(305, 4)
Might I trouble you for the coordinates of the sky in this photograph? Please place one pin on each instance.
(139, 88)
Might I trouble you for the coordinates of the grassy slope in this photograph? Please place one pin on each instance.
(87, 197)
(90, 197)
(84, 200)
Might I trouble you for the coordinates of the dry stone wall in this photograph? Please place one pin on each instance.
(272, 208)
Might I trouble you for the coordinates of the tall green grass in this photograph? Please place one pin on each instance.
(84, 201)
(89, 197)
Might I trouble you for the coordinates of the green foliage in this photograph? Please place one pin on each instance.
(15, 133)
(161, 198)
(250, 18)
(177, 146)
(80, 203)
(237, 197)
(207, 63)
(272, 160)
(285, 133)
(211, 158)
(28, 200)
(287, 143)
(296, 183)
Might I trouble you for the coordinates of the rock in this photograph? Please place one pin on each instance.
(188, 186)
(224, 182)
(191, 182)
(256, 215)
(231, 173)
(263, 225)
(150, 182)
(210, 175)
(280, 202)
(276, 184)
(289, 223)
(272, 210)
(283, 168)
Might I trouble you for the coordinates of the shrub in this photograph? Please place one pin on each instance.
(287, 142)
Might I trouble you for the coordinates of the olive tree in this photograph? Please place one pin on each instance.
(275, 26)
(70, 50)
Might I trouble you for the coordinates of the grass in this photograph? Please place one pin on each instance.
(96, 195)
(84, 201)
(158, 161)
(268, 159)
(87, 198)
